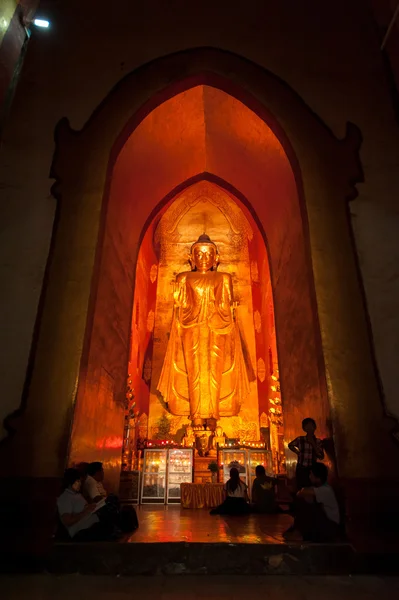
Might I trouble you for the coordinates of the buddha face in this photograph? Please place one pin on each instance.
(204, 257)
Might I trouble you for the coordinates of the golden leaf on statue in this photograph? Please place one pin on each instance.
(264, 420)
(147, 370)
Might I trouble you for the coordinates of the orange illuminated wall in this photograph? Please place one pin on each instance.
(143, 316)
(200, 133)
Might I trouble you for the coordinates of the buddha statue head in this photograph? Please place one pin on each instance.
(219, 432)
(204, 254)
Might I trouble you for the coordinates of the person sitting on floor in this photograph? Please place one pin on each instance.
(76, 515)
(82, 468)
(316, 512)
(236, 501)
(263, 492)
(125, 519)
(93, 488)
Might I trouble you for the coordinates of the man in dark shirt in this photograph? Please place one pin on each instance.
(263, 492)
(309, 450)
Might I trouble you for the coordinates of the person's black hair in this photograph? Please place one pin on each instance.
(70, 476)
(82, 468)
(320, 471)
(94, 468)
(260, 470)
(307, 421)
(234, 480)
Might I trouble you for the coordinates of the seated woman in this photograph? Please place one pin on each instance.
(263, 492)
(236, 500)
(76, 515)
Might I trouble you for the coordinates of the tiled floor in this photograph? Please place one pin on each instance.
(175, 524)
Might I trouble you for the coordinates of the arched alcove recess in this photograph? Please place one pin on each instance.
(200, 130)
(325, 169)
(205, 206)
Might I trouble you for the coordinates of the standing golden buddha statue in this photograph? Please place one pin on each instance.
(204, 375)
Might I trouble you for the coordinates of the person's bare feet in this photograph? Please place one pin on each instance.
(293, 536)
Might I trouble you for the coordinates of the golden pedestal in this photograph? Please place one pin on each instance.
(201, 473)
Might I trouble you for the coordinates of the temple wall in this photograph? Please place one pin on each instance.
(12, 39)
(100, 404)
(332, 62)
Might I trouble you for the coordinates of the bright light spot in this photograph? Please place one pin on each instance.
(41, 23)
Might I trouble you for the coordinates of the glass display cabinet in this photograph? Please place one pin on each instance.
(180, 470)
(153, 481)
(259, 457)
(163, 472)
(233, 458)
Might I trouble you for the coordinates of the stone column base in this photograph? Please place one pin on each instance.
(28, 514)
(373, 502)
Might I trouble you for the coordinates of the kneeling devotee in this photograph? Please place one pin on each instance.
(263, 492)
(236, 497)
(316, 510)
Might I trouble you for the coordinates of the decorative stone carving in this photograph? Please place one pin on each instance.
(261, 370)
(254, 271)
(257, 321)
(150, 321)
(153, 273)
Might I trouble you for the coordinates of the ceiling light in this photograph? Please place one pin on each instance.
(41, 23)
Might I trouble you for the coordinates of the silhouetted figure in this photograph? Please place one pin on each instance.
(309, 450)
(236, 497)
(263, 495)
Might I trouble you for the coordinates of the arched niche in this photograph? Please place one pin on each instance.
(201, 129)
(324, 171)
(203, 206)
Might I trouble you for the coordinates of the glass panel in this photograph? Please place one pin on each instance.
(255, 459)
(174, 484)
(155, 461)
(179, 478)
(154, 486)
(180, 461)
(174, 491)
(234, 458)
